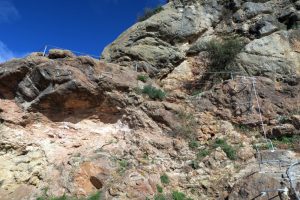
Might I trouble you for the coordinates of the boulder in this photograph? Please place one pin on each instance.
(11, 73)
(252, 186)
(60, 53)
(282, 130)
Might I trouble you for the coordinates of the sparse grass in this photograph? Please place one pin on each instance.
(164, 179)
(123, 165)
(142, 77)
(282, 119)
(193, 144)
(149, 12)
(154, 93)
(243, 128)
(228, 149)
(287, 142)
(199, 156)
(188, 125)
(197, 92)
(160, 197)
(203, 153)
(95, 196)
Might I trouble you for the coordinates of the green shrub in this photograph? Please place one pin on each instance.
(149, 12)
(164, 179)
(195, 164)
(123, 165)
(203, 153)
(179, 196)
(64, 197)
(154, 93)
(282, 119)
(222, 53)
(142, 78)
(95, 196)
(287, 142)
(228, 149)
(193, 144)
(159, 189)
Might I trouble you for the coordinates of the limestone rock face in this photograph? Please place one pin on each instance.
(162, 42)
(276, 54)
(158, 41)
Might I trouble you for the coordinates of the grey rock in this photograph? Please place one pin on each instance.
(59, 53)
(252, 9)
(154, 41)
(274, 54)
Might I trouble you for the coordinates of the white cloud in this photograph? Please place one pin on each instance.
(8, 11)
(7, 54)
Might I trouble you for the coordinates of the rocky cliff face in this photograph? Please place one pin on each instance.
(76, 126)
(163, 42)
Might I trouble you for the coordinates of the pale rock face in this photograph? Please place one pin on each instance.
(277, 53)
(77, 125)
(158, 40)
(163, 41)
(178, 76)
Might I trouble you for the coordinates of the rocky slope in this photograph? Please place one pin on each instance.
(76, 125)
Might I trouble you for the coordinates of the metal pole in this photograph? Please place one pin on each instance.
(45, 49)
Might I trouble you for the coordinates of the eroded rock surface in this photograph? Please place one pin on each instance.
(76, 125)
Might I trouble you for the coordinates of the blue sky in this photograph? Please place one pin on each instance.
(81, 25)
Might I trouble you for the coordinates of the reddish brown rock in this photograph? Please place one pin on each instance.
(90, 177)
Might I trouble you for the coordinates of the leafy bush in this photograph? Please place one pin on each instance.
(179, 196)
(229, 150)
(149, 12)
(282, 119)
(159, 189)
(142, 78)
(95, 196)
(123, 165)
(203, 153)
(154, 93)
(164, 179)
(222, 53)
(195, 164)
(193, 144)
